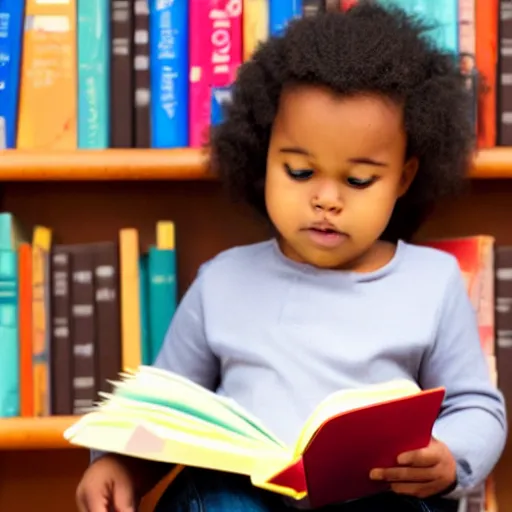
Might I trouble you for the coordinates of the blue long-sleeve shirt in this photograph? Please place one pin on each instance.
(279, 336)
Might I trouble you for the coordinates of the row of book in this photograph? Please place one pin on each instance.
(95, 74)
(73, 316)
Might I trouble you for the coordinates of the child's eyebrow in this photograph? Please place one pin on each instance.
(296, 150)
(367, 161)
(360, 160)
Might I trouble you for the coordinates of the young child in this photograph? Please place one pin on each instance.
(343, 133)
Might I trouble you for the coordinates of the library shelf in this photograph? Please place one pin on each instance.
(35, 433)
(163, 164)
(104, 165)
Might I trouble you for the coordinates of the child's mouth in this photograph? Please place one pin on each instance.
(326, 237)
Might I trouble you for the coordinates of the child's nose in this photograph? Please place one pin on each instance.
(328, 202)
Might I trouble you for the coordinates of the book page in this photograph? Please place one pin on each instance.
(159, 387)
(350, 399)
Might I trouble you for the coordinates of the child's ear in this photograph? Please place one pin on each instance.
(408, 174)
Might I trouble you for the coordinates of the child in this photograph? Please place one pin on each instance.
(343, 133)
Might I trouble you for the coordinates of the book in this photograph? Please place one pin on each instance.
(157, 415)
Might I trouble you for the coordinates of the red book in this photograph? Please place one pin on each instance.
(158, 415)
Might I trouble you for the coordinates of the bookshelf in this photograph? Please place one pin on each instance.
(88, 196)
(163, 164)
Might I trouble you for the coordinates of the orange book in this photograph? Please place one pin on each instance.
(486, 62)
(130, 299)
(25, 326)
(159, 415)
(41, 245)
(48, 99)
(255, 25)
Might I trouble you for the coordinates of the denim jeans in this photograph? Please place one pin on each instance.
(199, 490)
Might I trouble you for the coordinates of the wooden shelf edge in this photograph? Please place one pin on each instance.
(35, 433)
(493, 163)
(104, 165)
(164, 164)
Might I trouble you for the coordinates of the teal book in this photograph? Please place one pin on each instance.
(9, 337)
(162, 295)
(145, 349)
(93, 73)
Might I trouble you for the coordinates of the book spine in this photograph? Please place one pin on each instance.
(48, 99)
(343, 5)
(162, 295)
(200, 49)
(107, 310)
(281, 12)
(311, 8)
(142, 74)
(505, 74)
(9, 335)
(255, 25)
(61, 361)
(11, 32)
(169, 63)
(467, 50)
(486, 61)
(41, 346)
(93, 74)
(83, 327)
(121, 74)
(130, 298)
(226, 57)
(25, 327)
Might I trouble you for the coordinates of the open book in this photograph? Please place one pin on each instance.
(157, 415)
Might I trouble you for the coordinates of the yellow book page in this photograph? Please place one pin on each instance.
(349, 399)
(121, 434)
(170, 419)
(183, 393)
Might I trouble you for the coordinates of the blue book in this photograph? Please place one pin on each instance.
(11, 37)
(168, 43)
(93, 74)
(10, 360)
(220, 97)
(145, 349)
(162, 295)
(280, 13)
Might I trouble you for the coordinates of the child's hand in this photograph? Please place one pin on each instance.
(106, 485)
(421, 473)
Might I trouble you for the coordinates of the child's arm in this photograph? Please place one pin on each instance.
(473, 421)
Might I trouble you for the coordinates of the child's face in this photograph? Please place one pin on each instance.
(335, 169)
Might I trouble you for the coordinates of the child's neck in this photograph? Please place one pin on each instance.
(379, 255)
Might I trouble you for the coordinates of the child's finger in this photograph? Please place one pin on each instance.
(402, 474)
(418, 490)
(425, 457)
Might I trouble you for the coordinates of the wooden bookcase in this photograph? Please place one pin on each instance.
(89, 195)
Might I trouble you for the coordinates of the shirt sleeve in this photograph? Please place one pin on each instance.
(185, 349)
(472, 422)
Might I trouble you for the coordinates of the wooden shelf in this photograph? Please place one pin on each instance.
(162, 164)
(35, 433)
(104, 165)
(492, 163)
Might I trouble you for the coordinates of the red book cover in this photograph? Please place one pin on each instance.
(336, 464)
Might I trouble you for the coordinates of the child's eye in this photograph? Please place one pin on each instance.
(360, 183)
(299, 174)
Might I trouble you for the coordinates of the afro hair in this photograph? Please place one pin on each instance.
(369, 49)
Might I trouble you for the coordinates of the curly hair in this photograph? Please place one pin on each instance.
(369, 49)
